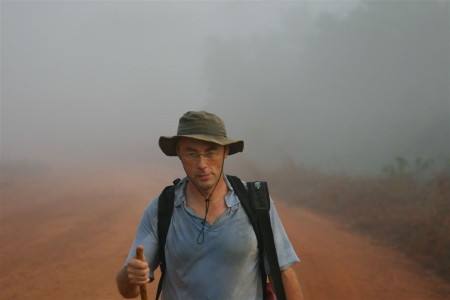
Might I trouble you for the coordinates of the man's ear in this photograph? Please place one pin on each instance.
(227, 150)
(178, 151)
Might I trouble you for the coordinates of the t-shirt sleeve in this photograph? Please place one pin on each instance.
(285, 252)
(147, 236)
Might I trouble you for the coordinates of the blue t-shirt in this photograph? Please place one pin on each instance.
(224, 266)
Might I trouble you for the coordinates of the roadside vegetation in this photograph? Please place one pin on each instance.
(408, 208)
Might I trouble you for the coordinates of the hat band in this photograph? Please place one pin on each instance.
(205, 131)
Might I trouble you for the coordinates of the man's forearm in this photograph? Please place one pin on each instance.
(126, 289)
(291, 285)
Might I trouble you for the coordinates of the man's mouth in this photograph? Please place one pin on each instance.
(203, 176)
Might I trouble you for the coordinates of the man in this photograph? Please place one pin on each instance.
(211, 248)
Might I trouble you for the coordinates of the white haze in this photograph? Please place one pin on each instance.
(339, 85)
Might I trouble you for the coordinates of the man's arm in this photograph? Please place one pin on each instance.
(131, 276)
(291, 285)
(126, 289)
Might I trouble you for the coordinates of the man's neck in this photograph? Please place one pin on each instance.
(214, 194)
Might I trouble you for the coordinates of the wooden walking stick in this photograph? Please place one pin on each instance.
(143, 288)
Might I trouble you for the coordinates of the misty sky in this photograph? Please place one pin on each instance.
(339, 85)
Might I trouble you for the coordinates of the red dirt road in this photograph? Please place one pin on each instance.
(65, 234)
(337, 264)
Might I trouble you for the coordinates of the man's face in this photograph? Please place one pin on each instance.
(202, 162)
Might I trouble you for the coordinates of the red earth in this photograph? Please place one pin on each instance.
(65, 233)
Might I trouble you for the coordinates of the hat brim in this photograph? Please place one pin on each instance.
(168, 144)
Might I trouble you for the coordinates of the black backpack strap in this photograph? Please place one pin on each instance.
(259, 194)
(165, 210)
(243, 195)
(256, 203)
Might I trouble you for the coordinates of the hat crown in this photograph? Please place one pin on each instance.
(201, 122)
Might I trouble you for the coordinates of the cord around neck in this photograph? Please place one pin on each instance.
(201, 235)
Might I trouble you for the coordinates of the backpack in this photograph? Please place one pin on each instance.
(256, 202)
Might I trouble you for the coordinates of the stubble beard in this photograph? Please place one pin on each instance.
(206, 187)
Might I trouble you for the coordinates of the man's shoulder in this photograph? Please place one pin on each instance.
(172, 192)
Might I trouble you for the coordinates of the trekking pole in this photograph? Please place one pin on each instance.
(143, 288)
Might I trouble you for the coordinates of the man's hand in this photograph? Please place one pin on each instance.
(133, 275)
(137, 270)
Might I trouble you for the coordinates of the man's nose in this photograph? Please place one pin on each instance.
(201, 161)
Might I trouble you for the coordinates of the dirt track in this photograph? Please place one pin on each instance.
(65, 234)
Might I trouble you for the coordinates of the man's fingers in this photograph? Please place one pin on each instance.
(137, 264)
(138, 276)
(139, 281)
(138, 271)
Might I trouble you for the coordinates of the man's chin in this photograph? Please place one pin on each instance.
(205, 185)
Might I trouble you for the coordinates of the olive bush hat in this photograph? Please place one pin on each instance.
(200, 125)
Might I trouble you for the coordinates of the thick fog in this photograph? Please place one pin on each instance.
(340, 85)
